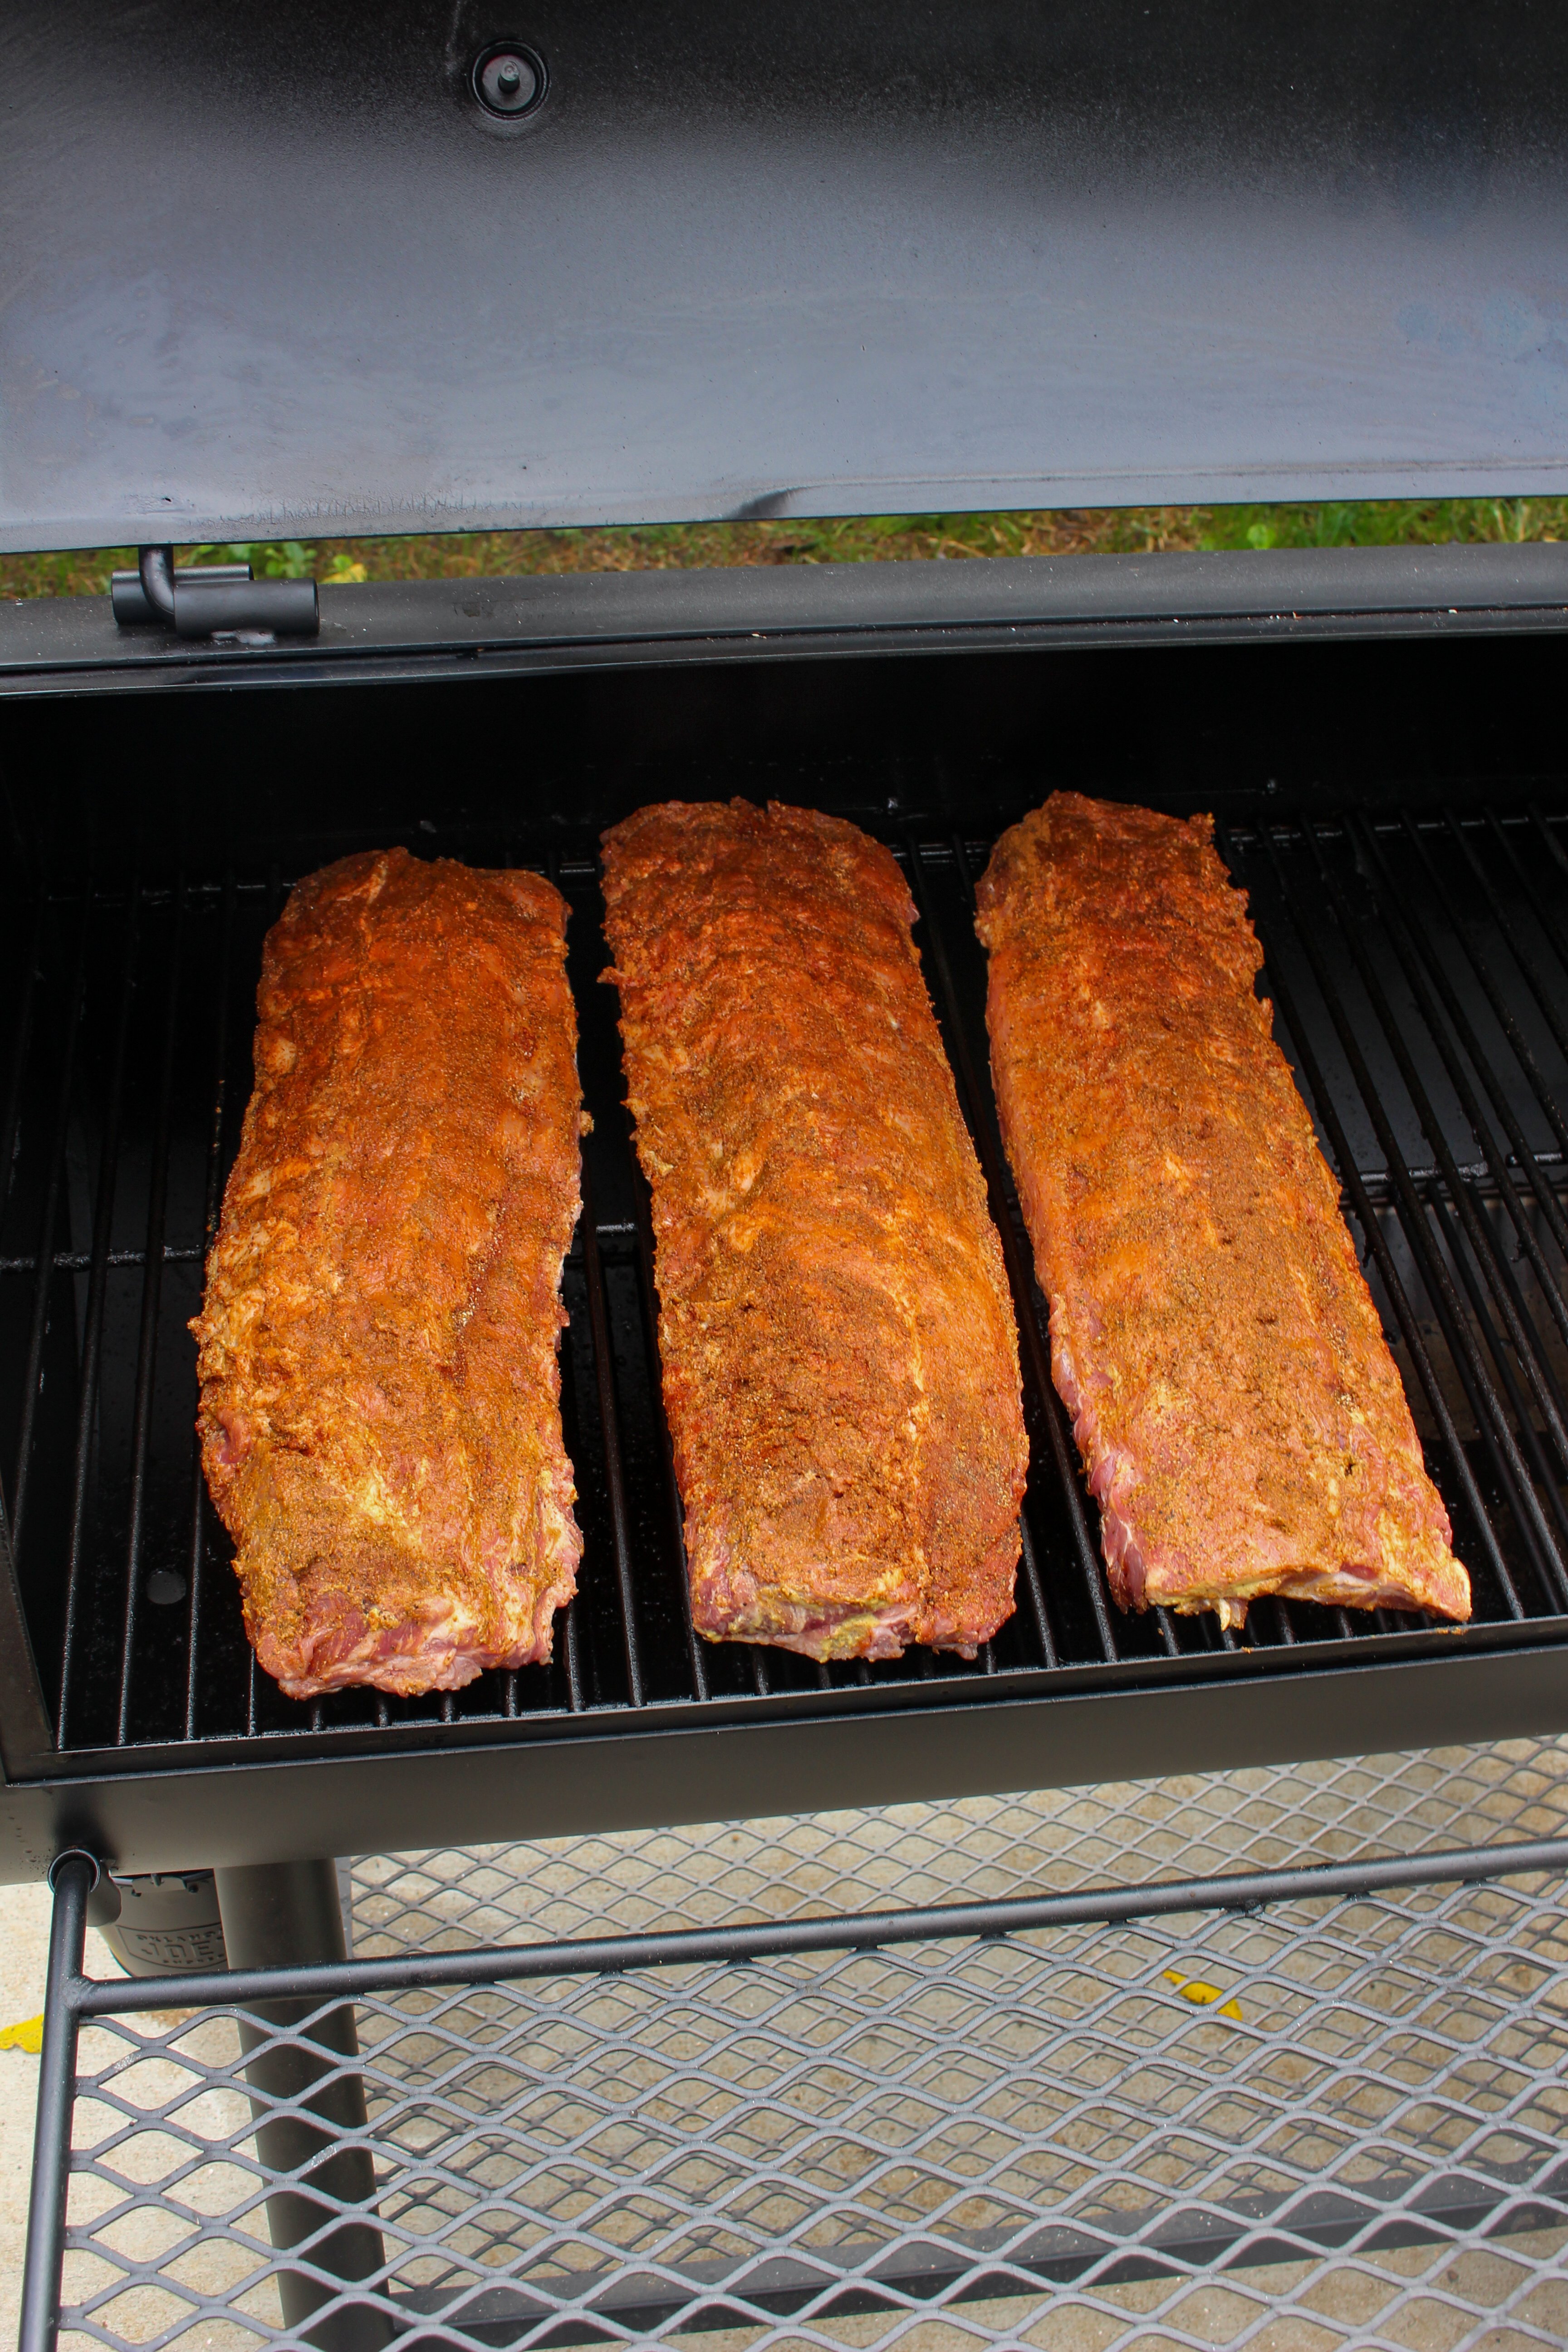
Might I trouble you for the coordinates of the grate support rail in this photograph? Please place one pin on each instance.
(313, 1991)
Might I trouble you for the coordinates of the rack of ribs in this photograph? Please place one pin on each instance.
(380, 1390)
(838, 1355)
(1241, 1417)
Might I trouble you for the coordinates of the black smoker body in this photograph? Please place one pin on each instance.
(1387, 782)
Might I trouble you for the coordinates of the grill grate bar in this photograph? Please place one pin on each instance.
(1459, 1259)
(571, 1663)
(1496, 1163)
(1538, 985)
(79, 1260)
(147, 1347)
(1523, 1157)
(1503, 1012)
(1526, 883)
(1478, 1389)
(211, 1202)
(1482, 1396)
(1035, 1589)
(1506, 1275)
(21, 1041)
(609, 1420)
(1477, 1231)
(648, 1298)
(40, 1319)
(1548, 839)
(1500, 1358)
(92, 1335)
(568, 1645)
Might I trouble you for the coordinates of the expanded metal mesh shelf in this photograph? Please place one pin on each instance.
(1418, 966)
(1329, 2123)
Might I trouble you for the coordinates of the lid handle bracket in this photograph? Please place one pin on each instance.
(219, 600)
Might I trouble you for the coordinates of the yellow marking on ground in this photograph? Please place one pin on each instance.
(1201, 1995)
(29, 2036)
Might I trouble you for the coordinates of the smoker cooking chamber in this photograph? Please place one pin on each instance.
(1416, 926)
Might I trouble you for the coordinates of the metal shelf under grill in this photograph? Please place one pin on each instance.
(1418, 966)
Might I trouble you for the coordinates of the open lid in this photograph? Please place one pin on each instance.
(279, 270)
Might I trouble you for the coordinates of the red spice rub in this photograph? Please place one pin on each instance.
(839, 1359)
(1239, 1415)
(380, 1392)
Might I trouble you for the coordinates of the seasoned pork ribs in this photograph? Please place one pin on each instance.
(1239, 1416)
(380, 1416)
(840, 1358)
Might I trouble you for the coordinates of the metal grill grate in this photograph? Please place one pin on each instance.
(1329, 2124)
(1418, 966)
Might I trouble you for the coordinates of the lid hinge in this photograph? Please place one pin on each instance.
(214, 600)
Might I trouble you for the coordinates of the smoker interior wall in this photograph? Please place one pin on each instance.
(304, 774)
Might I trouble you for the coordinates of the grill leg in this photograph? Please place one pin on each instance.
(71, 1878)
(279, 1915)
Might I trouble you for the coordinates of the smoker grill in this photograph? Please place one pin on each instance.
(317, 274)
(1412, 895)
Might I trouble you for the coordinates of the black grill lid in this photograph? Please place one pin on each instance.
(278, 270)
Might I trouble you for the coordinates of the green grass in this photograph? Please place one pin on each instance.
(1062, 532)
